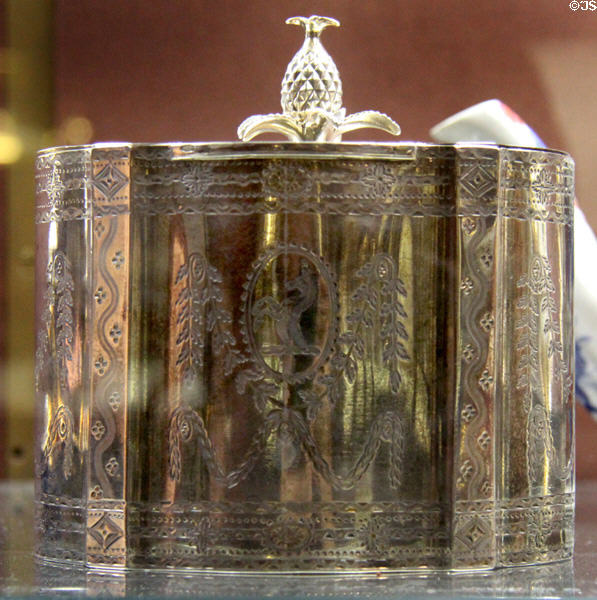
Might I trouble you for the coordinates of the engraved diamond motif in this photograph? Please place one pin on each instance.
(477, 181)
(105, 531)
(109, 181)
(472, 533)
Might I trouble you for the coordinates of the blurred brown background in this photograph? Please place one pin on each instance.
(76, 71)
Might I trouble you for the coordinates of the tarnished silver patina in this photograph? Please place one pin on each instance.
(304, 356)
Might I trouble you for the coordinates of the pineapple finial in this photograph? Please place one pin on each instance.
(312, 96)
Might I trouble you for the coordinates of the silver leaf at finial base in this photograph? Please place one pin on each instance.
(312, 96)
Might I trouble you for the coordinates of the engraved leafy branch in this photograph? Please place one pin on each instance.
(528, 362)
(290, 427)
(263, 392)
(54, 351)
(185, 423)
(58, 301)
(200, 307)
(393, 329)
(385, 428)
(64, 315)
(540, 443)
(189, 321)
(536, 302)
(377, 299)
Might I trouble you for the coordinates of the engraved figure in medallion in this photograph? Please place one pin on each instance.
(301, 295)
(288, 291)
(290, 328)
(200, 312)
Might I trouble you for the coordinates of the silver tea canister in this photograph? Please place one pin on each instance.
(307, 355)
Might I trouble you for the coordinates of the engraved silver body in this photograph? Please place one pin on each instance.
(282, 357)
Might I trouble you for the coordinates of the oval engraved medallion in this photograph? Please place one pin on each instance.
(290, 313)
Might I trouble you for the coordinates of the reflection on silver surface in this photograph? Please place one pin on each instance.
(294, 363)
